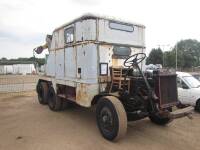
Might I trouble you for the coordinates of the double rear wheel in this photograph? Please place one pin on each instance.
(42, 91)
(47, 95)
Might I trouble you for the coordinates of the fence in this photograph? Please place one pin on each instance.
(17, 84)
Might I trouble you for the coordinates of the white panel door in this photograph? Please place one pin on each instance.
(60, 64)
(70, 63)
(50, 67)
(87, 63)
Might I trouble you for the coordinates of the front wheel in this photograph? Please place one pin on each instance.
(158, 119)
(111, 118)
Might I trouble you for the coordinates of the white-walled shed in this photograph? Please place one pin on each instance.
(17, 69)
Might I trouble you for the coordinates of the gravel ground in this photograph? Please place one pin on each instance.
(27, 125)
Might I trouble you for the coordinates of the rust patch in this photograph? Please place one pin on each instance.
(85, 93)
(81, 92)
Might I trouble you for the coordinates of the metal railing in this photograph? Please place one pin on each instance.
(17, 84)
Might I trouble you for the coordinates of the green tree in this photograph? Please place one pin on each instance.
(155, 57)
(4, 59)
(170, 59)
(188, 53)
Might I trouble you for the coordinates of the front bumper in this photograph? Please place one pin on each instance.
(186, 112)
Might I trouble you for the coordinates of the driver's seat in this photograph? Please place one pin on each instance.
(118, 80)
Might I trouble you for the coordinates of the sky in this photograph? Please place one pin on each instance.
(24, 24)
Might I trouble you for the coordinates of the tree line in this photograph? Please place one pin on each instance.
(38, 61)
(188, 55)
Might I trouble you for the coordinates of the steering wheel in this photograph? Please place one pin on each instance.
(134, 59)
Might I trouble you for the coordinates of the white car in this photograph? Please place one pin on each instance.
(188, 90)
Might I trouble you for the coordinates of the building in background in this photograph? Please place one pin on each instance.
(22, 69)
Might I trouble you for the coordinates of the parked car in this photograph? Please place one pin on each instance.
(188, 90)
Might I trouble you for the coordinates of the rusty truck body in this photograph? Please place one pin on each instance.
(79, 69)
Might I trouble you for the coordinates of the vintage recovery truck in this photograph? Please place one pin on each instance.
(98, 61)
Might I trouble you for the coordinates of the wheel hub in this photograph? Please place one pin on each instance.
(106, 119)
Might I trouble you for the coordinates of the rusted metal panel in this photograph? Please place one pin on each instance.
(86, 30)
(167, 90)
(76, 63)
(85, 93)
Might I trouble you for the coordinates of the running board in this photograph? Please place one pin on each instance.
(65, 97)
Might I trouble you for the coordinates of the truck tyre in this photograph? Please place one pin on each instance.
(66, 104)
(54, 102)
(159, 120)
(42, 91)
(197, 107)
(111, 118)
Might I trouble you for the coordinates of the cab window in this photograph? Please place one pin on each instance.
(181, 83)
(69, 35)
(121, 26)
(184, 85)
(120, 52)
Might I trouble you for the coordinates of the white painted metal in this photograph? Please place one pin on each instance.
(70, 63)
(23, 69)
(86, 30)
(8, 69)
(17, 69)
(190, 95)
(87, 61)
(54, 40)
(2, 70)
(60, 43)
(60, 64)
(106, 34)
(106, 53)
(51, 64)
(93, 44)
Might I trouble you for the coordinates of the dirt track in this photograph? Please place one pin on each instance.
(27, 125)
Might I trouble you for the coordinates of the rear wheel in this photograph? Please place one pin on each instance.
(160, 120)
(66, 104)
(111, 118)
(197, 107)
(54, 102)
(42, 91)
